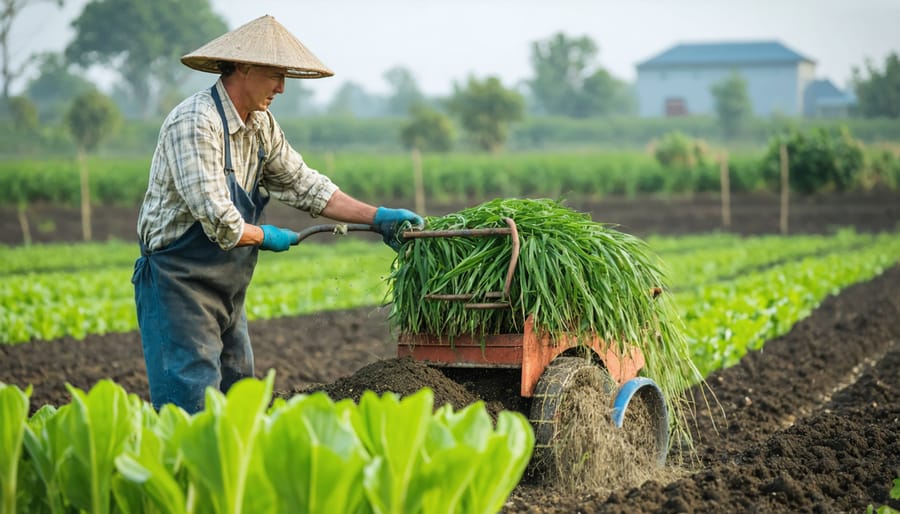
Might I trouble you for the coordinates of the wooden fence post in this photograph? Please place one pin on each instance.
(725, 182)
(785, 189)
(23, 222)
(85, 196)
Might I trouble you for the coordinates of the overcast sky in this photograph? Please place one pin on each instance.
(447, 40)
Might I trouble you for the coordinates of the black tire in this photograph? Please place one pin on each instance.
(562, 376)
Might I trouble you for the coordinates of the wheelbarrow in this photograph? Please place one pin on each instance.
(551, 365)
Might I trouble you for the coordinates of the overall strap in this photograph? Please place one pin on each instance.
(215, 94)
(261, 156)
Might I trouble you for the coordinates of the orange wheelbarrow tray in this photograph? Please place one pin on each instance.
(547, 366)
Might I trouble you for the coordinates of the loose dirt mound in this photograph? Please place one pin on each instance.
(401, 376)
(811, 423)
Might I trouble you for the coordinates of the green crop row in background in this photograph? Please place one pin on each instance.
(341, 134)
(447, 178)
(733, 293)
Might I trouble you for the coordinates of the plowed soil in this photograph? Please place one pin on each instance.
(811, 423)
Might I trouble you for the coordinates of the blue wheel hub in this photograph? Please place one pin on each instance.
(646, 392)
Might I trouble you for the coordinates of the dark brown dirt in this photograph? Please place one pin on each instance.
(750, 214)
(809, 424)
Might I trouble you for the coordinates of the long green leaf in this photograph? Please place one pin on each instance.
(13, 414)
(99, 425)
(218, 444)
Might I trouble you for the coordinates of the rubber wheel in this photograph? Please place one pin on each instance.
(563, 377)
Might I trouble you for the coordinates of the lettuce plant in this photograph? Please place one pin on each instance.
(14, 413)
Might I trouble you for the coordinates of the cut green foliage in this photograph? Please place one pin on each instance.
(574, 276)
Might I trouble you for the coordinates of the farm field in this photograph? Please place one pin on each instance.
(810, 423)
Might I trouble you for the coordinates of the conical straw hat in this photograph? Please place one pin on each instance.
(263, 41)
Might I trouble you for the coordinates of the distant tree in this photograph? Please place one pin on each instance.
(604, 95)
(732, 104)
(878, 95)
(486, 109)
(9, 10)
(91, 117)
(351, 99)
(54, 88)
(560, 67)
(427, 130)
(567, 81)
(143, 40)
(405, 92)
(296, 101)
(23, 113)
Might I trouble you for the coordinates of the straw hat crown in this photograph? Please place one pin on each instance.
(263, 41)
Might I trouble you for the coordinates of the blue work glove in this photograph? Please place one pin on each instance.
(278, 239)
(390, 222)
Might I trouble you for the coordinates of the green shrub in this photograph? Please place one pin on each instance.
(675, 149)
(821, 160)
(427, 130)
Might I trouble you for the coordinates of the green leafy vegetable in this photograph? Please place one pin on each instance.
(14, 413)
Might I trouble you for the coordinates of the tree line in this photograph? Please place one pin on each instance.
(141, 41)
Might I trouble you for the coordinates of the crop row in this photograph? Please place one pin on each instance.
(451, 177)
(724, 257)
(107, 451)
(733, 293)
(88, 296)
(726, 319)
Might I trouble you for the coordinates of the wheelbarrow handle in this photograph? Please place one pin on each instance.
(334, 228)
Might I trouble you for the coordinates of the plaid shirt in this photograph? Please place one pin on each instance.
(188, 182)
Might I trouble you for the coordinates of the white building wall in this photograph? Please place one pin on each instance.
(776, 88)
(806, 74)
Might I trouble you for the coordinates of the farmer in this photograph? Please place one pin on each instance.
(219, 157)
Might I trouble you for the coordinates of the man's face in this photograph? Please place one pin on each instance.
(261, 84)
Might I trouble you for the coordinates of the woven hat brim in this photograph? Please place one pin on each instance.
(264, 42)
(211, 65)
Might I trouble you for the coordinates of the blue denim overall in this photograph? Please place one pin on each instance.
(190, 304)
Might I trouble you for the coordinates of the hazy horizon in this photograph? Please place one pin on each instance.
(443, 42)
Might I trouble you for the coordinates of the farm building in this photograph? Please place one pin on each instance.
(779, 80)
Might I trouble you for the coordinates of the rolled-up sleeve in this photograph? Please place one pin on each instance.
(289, 179)
(195, 148)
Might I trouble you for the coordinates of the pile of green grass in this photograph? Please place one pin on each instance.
(575, 276)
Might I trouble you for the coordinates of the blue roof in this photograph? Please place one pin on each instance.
(822, 88)
(733, 53)
(823, 92)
